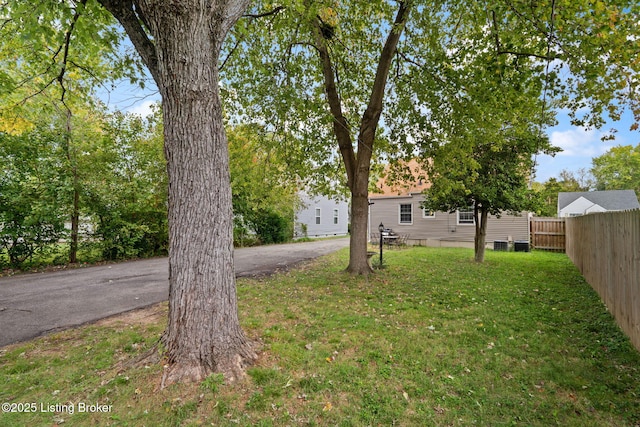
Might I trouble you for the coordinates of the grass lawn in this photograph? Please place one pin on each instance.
(432, 339)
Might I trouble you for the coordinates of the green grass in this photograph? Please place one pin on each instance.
(432, 339)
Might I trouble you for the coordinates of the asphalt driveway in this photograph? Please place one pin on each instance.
(35, 304)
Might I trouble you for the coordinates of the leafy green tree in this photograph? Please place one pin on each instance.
(52, 56)
(484, 159)
(301, 74)
(32, 190)
(547, 193)
(618, 169)
(264, 188)
(567, 181)
(325, 69)
(579, 180)
(125, 188)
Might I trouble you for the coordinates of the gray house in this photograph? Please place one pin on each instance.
(321, 216)
(404, 215)
(582, 203)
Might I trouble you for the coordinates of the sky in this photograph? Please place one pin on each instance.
(579, 145)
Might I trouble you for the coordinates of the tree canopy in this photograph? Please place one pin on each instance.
(618, 169)
(315, 68)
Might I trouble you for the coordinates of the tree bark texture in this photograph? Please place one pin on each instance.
(358, 164)
(203, 334)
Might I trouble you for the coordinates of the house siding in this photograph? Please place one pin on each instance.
(580, 206)
(442, 229)
(307, 216)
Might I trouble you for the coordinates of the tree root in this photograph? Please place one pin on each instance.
(231, 364)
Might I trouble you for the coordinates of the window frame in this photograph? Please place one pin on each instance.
(318, 216)
(400, 214)
(428, 216)
(465, 222)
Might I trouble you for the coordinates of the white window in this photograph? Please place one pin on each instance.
(317, 215)
(406, 214)
(335, 216)
(465, 217)
(428, 214)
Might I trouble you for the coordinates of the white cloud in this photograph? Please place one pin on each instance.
(143, 108)
(579, 141)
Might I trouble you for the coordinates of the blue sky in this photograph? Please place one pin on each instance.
(579, 145)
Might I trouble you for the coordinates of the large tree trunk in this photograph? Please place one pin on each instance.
(358, 260)
(203, 334)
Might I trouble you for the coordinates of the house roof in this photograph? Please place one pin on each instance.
(612, 200)
(389, 187)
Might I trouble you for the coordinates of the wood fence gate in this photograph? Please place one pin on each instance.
(548, 234)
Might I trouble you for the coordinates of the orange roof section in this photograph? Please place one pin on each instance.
(391, 184)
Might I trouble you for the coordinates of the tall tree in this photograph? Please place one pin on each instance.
(483, 160)
(321, 88)
(51, 59)
(480, 94)
(179, 43)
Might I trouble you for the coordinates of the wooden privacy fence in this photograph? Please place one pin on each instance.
(548, 234)
(606, 249)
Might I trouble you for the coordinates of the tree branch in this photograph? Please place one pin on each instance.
(371, 116)
(65, 49)
(264, 14)
(501, 51)
(233, 49)
(340, 124)
(125, 12)
(541, 29)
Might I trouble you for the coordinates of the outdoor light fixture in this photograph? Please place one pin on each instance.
(381, 229)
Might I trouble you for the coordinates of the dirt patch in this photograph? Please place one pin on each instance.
(143, 316)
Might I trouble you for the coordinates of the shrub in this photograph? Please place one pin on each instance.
(271, 227)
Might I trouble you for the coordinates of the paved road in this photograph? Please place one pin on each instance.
(39, 303)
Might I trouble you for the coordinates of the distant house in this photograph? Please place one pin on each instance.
(321, 216)
(586, 202)
(399, 208)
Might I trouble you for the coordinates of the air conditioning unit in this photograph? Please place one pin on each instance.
(500, 245)
(521, 246)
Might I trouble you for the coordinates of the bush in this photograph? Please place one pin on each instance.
(120, 239)
(271, 227)
(21, 241)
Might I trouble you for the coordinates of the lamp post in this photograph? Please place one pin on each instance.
(381, 229)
